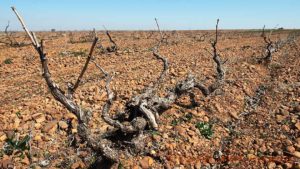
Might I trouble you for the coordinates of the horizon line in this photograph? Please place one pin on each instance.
(129, 30)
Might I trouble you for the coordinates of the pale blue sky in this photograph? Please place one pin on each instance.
(140, 14)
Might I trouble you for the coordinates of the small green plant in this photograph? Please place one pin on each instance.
(8, 61)
(12, 144)
(175, 122)
(154, 132)
(185, 118)
(205, 129)
(18, 114)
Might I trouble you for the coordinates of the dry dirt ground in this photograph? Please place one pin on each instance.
(253, 121)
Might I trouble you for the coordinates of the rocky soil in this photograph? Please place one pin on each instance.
(253, 121)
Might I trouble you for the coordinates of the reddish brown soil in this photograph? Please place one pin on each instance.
(267, 137)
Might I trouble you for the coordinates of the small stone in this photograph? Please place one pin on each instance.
(263, 149)
(50, 127)
(37, 138)
(39, 119)
(288, 142)
(288, 165)
(290, 149)
(37, 126)
(251, 156)
(183, 160)
(279, 118)
(153, 152)
(36, 115)
(296, 154)
(285, 128)
(206, 119)
(271, 165)
(181, 73)
(173, 81)
(17, 123)
(284, 112)
(234, 114)
(198, 165)
(77, 165)
(6, 163)
(44, 163)
(156, 137)
(297, 108)
(70, 116)
(135, 167)
(165, 135)
(74, 131)
(191, 133)
(99, 97)
(297, 125)
(146, 162)
(298, 140)
(180, 130)
(63, 125)
(3, 137)
(25, 161)
(10, 134)
(211, 160)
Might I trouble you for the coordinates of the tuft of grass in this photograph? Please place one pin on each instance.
(18, 114)
(205, 129)
(175, 122)
(154, 132)
(8, 61)
(12, 144)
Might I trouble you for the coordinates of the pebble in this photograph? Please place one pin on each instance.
(296, 154)
(40, 119)
(77, 165)
(152, 152)
(37, 138)
(50, 127)
(297, 108)
(288, 165)
(279, 118)
(3, 137)
(198, 165)
(251, 156)
(63, 125)
(44, 163)
(297, 125)
(25, 161)
(284, 112)
(180, 130)
(290, 149)
(146, 162)
(271, 165)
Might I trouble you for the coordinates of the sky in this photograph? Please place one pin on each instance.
(43, 15)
